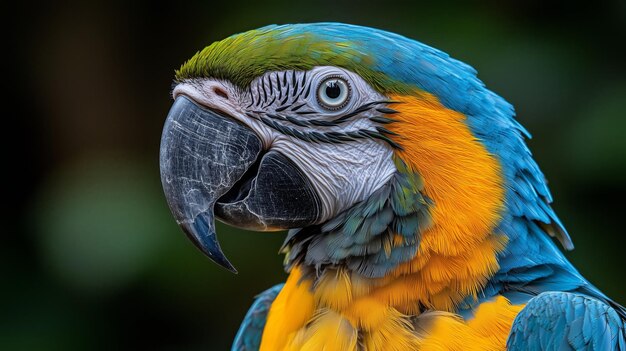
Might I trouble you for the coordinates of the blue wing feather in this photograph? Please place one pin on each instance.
(248, 337)
(568, 321)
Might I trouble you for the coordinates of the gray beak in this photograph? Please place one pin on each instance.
(203, 155)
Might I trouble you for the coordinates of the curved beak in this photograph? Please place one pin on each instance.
(212, 164)
(203, 154)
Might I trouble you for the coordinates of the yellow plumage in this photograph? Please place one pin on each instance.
(290, 311)
(487, 331)
(327, 331)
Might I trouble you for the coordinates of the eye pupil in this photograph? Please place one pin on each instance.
(333, 90)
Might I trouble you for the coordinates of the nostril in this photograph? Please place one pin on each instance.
(220, 92)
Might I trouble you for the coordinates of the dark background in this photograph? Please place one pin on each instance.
(92, 258)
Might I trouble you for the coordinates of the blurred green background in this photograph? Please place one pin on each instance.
(92, 258)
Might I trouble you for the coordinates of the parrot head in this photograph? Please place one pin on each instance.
(355, 139)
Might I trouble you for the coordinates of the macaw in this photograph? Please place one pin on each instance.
(417, 217)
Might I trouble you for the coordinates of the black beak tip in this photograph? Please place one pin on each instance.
(202, 233)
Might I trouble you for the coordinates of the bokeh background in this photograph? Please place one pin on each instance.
(91, 258)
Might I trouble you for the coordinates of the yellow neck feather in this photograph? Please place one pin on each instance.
(457, 254)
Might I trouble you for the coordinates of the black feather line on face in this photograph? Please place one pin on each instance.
(296, 108)
(293, 92)
(308, 90)
(382, 120)
(264, 91)
(280, 88)
(258, 102)
(305, 112)
(282, 108)
(272, 120)
(302, 84)
(296, 121)
(386, 110)
(303, 80)
(270, 103)
(251, 97)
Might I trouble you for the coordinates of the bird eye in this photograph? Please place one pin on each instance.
(333, 93)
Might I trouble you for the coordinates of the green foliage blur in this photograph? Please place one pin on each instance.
(92, 258)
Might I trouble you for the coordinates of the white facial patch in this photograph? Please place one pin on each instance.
(341, 174)
(336, 148)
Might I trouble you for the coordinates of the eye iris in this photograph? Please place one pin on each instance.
(333, 93)
(333, 90)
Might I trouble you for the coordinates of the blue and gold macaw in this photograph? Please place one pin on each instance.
(417, 217)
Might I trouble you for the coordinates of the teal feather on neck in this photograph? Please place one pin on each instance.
(362, 238)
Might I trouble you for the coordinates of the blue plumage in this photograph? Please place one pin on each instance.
(567, 321)
(248, 337)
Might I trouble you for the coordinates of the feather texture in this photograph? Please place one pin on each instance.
(567, 321)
